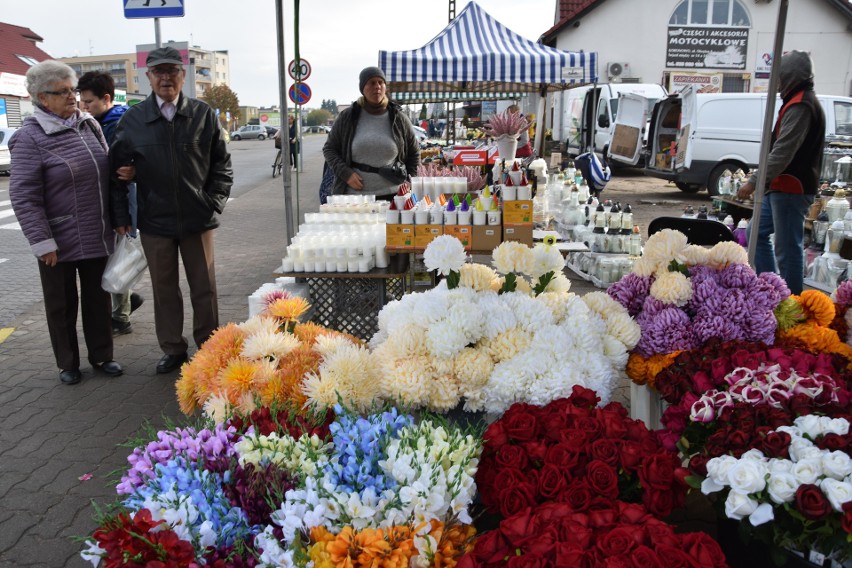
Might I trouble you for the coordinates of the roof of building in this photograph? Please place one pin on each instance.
(15, 41)
(572, 10)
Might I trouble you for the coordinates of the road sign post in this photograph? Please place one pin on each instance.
(153, 8)
(300, 72)
(299, 93)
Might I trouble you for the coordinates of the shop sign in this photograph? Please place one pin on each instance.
(11, 84)
(700, 82)
(693, 47)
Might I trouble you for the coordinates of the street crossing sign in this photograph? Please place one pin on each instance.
(153, 8)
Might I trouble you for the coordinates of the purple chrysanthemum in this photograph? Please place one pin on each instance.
(702, 289)
(668, 330)
(843, 294)
(777, 283)
(651, 307)
(736, 276)
(708, 325)
(760, 326)
(631, 292)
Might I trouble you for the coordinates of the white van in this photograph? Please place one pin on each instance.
(694, 137)
(588, 108)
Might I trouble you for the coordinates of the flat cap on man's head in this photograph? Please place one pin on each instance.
(164, 56)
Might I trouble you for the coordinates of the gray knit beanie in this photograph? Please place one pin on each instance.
(367, 74)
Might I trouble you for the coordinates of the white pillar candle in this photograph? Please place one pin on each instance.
(493, 217)
(363, 264)
(406, 217)
(479, 217)
(287, 265)
(352, 265)
(449, 217)
(524, 192)
(392, 217)
(342, 265)
(319, 266)
(463, 217)
(310, 266)
(421, 216)
(382, 259)
(298, 266)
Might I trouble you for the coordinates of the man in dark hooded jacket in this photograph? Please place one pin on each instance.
(792, 173)
(97, 97)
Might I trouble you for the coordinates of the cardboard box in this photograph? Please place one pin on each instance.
(461, 232)
(425, 234)
(517, 212)
(485, 237)
(518, 233)
(400, 236)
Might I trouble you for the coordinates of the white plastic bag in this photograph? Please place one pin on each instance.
(125, 267)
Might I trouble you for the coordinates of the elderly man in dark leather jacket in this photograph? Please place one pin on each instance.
(183, 178)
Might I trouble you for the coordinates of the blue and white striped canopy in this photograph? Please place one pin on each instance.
(476, 53)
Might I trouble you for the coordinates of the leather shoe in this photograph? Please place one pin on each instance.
(135, 301)
(70, 377)
(170, 362)
(110, 368)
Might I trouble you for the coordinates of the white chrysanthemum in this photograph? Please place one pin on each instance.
(507, 344)
(319, 393)
(473, 367)
(545, 259)
(257, 324)
(602, 304)
(695, 255)
(531, 313)
(268, 344)
(404, 341)
(442, 366)
(477, 276)
(644, 266)
(217, 408)
(624, 328)
(614, 350)
(499, 315)
(559, 285)
(444, 254)
(467, 317)
(407, 380)
(443, 339)
(432, 306)
(443, 394)
(672, 288)
(666, 245)
(556, 301)
(325, 345)
(523, 286)
(353, 373)
(507, 384)
(724, 254)
(514, 257)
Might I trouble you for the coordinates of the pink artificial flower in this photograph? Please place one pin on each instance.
(752, 394)
(739, 376)
(810, 386)
(777, 396)
(721, 399)
(703, 410)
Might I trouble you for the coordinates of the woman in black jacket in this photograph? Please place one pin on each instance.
(370, 135)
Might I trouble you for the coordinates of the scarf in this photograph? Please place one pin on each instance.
(371, 108)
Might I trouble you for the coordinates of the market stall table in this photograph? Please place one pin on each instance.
(350, 301)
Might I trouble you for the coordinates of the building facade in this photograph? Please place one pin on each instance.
(714, 45)
(18, 52)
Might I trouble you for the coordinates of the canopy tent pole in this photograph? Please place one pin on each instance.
(774, 77)
(540, 122)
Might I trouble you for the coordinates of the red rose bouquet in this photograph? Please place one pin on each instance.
(573, 452)
(607, 532)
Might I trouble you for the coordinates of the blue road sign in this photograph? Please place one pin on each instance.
(299, 93)
(153, 8)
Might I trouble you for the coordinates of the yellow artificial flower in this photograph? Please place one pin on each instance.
(289, 309)
(817, 306)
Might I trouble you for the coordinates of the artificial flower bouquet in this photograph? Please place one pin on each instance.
(487, 341)
(684, 295)
(795, 492)
(601, 532)
(265, 360)
(573, 452)
(580, 485)
(378, 490)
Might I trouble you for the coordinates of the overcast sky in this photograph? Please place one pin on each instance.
(337, 37)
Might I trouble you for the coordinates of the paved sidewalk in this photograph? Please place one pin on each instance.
(52, 435)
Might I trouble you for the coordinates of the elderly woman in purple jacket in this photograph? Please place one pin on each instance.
(59, 191)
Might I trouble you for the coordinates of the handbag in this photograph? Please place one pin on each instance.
(125, 266)
(394, 173)
(327, 184)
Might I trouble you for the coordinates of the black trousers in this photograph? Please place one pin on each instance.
(61, 297)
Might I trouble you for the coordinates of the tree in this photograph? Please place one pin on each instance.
(424, 114)
(439, 110)
(330, 105)
(223, 98)
(318, 116)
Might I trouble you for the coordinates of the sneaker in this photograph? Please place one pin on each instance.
(135, 301)
(121, 328)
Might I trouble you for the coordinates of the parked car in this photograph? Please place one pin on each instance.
(694, 137)
(5, 156)
(250, 132)
(271, 131)
(316, 130)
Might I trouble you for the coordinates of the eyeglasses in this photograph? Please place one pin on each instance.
(168, 72)
(62, 93)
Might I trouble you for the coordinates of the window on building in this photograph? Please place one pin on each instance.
(134, 65)
(27, 59)
(710, 13)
